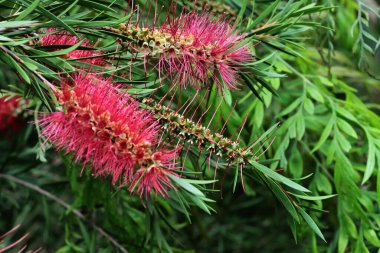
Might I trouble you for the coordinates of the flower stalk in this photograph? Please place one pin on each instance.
(194, 133)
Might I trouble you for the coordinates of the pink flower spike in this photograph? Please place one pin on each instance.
(193, 49)
(156, 177)
(65, 38)
(10, 108)
(152, 179)
(108, 130)
(213, 52)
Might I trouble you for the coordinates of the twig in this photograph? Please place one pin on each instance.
(65, 205)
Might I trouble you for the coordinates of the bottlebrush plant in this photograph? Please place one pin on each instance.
(195, 126)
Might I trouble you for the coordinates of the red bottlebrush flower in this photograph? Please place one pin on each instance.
(65, 38)
(10, 108)
(107, 129)
(151, 179)
(193, 48)
(156, 176)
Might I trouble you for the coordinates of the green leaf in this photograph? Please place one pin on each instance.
(290, 108)
(323, 184)
(300, 126)
(227, 95)
(360, 246)
(262, 137)
(183, 205)
(346, 113)
(200, 203)
(198, 181)
(347, 128)
(295, 163)
(378, 178)
(259, 114)
(17, 24)
(28, 10)
(315, 94)
(251, 85)
(3, 38)
(306, 197)
(350, 226)
(186, 185)
(372, 237)
(282, 197)
(342, 242)
(274, 175)
(56, 53)
(242, 10)
(95, 5)
(57, 20)
(235, 178)
(17, 66)
(371, 159)
(343, 142)
(263, 15)
(311, 223)
(325, 134)
(308, 106)
(139, 91)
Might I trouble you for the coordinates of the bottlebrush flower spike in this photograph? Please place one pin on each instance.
(65, 38)
(10, 108)
(107, 129)
(186, 129)
(192, 49)
(153, 178)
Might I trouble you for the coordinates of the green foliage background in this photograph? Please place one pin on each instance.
(315, 71)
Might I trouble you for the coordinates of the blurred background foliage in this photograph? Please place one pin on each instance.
(315, 71)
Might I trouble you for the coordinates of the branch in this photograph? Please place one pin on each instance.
(65, 205)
